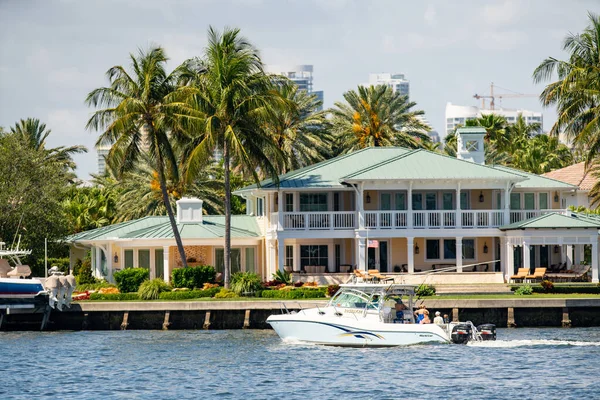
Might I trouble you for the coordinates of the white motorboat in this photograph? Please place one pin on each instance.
(361, 315)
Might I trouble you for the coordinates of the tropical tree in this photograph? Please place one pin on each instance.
(89, 208)
(576, 93)
(301, 132)
(145, 107)
(236, 99)
(376, 116)
(542, 154)
(33, 133)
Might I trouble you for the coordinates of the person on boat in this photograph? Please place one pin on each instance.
(446, 319)
(420, 313)
(438, 320)
(425, 319)
(399, 307)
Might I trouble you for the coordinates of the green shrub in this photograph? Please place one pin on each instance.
(193, 277)
(245, 283)
(524, 290)
(62, 263)
(151, 290)
(85, 272)
(189, 294)
(94, 286)
(567, 289)
(225, 294)
(129, 279)
(77, 266)
(425, 290)
(296, 293)
(282, 277)
(114, 296)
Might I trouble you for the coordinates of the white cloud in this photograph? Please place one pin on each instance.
(430, 15)
(503, 13)
(501, 40)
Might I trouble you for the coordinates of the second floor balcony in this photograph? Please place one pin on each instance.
(416, 219)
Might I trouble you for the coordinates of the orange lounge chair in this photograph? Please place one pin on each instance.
(521, 274)
(359, 275)
(377, 275)
(539, 273)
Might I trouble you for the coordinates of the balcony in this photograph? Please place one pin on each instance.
(431, 219)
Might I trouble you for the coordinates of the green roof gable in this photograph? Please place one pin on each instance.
(535, 181)
(212, 227)
(556, 220)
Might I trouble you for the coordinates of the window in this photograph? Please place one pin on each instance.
(159, 263)
(338, 255)
(515, 201)
(313, 202)
(417, 201)
(432, 249)
(450, 249)
(386, 201)
(289, 202)
(400, 201)
(468, 249)
(313, 255)
(447, 201)
(250, 261)
(236, 258)
(289, 256)
(472, 145)
(431, 201)
(128, 259)
(144, 259)
(529, 200)
(543, 201)
(260, 207)
(465, 204)
(337, 201)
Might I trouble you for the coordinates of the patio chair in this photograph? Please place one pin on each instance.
(521, 274)
(359, 276)
(539, 273)
(377, 275)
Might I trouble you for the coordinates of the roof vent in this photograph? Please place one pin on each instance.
(470, 144)
(189, 210)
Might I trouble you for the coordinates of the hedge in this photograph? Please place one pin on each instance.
(189, 294)
(587, 289)
(299, 293)
(129, 279)
(114, 296)
(193, 277)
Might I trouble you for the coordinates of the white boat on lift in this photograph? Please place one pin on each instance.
(360, 315)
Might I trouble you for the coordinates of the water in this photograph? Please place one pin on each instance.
(525, 364)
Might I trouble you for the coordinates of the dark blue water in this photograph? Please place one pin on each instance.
(525, 364)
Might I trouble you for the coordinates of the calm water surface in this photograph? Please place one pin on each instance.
(525, 364)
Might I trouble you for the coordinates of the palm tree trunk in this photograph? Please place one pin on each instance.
(163, 189)
(227, 252)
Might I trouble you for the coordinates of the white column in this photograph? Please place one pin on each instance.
(166, 266)
(296, 266)
(98, 269)
(271, 264)
(578, 254)
(152, 264)
(361, 244)
(280, 254)
(595, 259)
(360, 209)
(109, 261)
(459, 260)
(409, 207)
(563, 254)
(526, 255)
(510, 260)
(410, 252)
(503, 257)
(458, 213)
(280, 210)
(569, 256)
(331, 257)
(507, 204)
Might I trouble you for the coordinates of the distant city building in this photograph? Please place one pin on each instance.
(301, 75)
(102, 153)
(433, 135)
(458, 115)
(397, 82)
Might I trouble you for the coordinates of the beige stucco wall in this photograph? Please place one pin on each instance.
(487, 199)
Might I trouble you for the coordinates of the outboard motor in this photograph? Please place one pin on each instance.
(461, 333)
(487, 331)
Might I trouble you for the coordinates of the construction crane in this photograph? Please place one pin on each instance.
(499, 96)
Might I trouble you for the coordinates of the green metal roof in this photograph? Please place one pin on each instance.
(535, 181)
(212, 227)
(556, 220)
(423, 164)
(471, 129)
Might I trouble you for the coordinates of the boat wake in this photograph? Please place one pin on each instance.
(528, 343)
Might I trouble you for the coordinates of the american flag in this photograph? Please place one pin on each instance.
(373, 243)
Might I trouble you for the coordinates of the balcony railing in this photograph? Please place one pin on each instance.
(434, 219)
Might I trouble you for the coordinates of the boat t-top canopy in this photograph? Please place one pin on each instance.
(382, 288)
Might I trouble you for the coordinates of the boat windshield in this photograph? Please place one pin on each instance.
(354, 299)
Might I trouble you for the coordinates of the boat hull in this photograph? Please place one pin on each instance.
(20, 288)
(344, 331)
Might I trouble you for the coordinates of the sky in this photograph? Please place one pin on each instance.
(54, 52)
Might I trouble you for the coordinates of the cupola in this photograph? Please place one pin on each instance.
(189, 210)
(470, 144)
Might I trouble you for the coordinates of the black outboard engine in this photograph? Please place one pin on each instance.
(461, 333)
(487, 331)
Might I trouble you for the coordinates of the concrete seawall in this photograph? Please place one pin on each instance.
(253, 314)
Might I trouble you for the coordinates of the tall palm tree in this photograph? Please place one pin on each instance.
(144, 107)
(376, 116)
(301, 132)
(236, 98)
(576, 93)
(34, 133)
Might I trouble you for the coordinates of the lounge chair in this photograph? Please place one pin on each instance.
(577, 273)
(19, 271)
(521, 274)
(359, 276)
(377, 275)
(4, 268)
(539, 273)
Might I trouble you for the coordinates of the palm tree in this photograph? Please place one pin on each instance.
(376, 116)
(89, 208)
(576, 93)
(34, 133)
(144, 107)
(236, 98)
(301, 132)
(542, 154)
